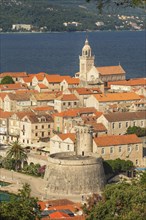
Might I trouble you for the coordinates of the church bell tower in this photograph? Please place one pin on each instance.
(86, 61)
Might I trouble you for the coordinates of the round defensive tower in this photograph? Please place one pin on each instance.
(84, 140)
(75, 173)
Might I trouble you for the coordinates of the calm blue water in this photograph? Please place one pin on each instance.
(59, 52)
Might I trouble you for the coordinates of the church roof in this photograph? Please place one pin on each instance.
(110, 70)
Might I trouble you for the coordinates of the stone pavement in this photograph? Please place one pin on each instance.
(37, 184)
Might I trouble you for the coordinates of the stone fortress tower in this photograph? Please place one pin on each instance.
(75, 173)
(86, 61)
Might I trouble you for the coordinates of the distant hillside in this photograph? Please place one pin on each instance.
(66, 15)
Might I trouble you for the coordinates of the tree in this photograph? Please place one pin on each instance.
(18, 153)
(7, 80)
(140, 132)
(120, 201)
(124, 3)
(23, 207)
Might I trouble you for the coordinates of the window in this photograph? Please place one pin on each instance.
(111, 150)
(69, 103)
(42, 134)
(23, 127)
(36, 127)
(27, 141)
(48, 126)
(120, 149)
(102, 151)
(136, 147)
(136, 162)
(126, 124)
(113, 125)
(36, 134)
(23, 140)
(23, 133)
(48, 133)
(129, 149)
(134, 123)
(142, 123)
(120, 125)
(63, 103)
(42, 126)
(75, 103)
(67, 147)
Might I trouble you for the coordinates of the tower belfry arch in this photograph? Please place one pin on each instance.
(86, 60)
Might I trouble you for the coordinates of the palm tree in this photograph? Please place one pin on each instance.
(17, 152)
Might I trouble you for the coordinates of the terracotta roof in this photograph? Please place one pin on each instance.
(5, 114)
(2, 95)
(125, 116)
(42, 86)
(38, 118)
(68, 97)
(13, 74)
(28, 79)
(129, 82)
(14, 86)
(45, 96)
(98, 127)
(19, 96)
(43, 108)
(39, 76)
(58, 214)
(20, 115)
(67, 135)
(56, 78)
(87, 91)
(57, 202)
(76, 112)
(110, 70)
(71, 81)
(117, 96)
(116, 140)
(66, 218)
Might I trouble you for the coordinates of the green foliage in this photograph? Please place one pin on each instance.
(52, 14)
(32, 169)
(16, 152)
(8, 163)
(24, 207)
(7, 80)
(117, 166)
(120, 201)
(140, 132)
(143, 178)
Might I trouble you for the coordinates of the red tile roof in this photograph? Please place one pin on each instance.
(129, 82)
(68, 97)
(67, 135)
(76, 112)
(110, 70)
(42, 86)
(116, 140)
(123, 96)
(13, 74)
(5, 114)
(87, 91)
(14, 86)
(71, 81)
(56, 78)
(58, 214)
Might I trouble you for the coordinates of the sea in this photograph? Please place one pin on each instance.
(58, 53)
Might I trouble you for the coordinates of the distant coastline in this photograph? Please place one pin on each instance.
(52, 32)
